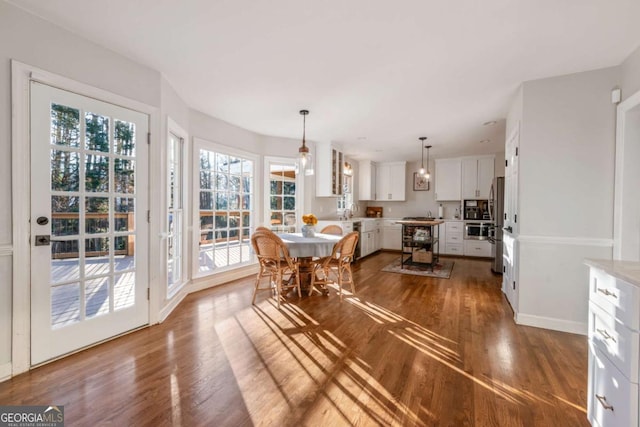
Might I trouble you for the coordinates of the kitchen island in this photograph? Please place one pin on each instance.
(420, 241)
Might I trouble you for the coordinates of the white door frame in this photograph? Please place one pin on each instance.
(626, 210)
(21, 75)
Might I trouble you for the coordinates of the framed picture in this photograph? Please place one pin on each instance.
(420, 183)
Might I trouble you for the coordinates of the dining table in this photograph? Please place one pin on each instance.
(304, 249)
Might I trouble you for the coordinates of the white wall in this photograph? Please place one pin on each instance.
(567, 155)
(566, 178)
(630, 74)
(36, 42)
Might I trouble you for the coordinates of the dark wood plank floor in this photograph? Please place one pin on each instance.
(408, 350)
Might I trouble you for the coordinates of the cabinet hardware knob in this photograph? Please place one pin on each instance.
(606, 335)
(603, 402)
(607, 292)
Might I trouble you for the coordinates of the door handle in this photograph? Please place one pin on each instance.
(43, 240)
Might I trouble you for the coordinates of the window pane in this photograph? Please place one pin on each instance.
(124, 176)
(124, 142)
(65, 170)
(222, 201)
(96, 294)
(65, 126)
(124, 290)
(65, 219)
(206, 200)
(289, 188)
(222, 163)
(234, 201)
(65, 305)
(97, 132)
(96, 173)
(289, 203)
(97, 215)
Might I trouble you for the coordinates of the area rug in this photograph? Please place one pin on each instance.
(441, 270)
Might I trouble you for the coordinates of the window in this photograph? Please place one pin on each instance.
(175, 213)
(283, 211)
(226, 195)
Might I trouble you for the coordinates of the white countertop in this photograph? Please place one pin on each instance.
(629, 271)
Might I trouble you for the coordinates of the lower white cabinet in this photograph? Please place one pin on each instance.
(391, 235)
(614, 343)
(369, 236)
(479, 248)
(452, 244)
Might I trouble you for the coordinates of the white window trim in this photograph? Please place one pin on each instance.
(266, 190)
(177, 130)
(198, 144)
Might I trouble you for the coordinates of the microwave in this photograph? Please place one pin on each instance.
(477, 230)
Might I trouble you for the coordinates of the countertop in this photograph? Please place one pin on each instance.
(629, 271)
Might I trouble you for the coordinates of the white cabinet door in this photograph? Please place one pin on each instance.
(397, 175)
(447, 179)
(392, 238)
(486, 167)
(383, 185)
(477, 248)
(470, 178)
(391, 181)
(367, 180)
(328, 170)
(477, 176)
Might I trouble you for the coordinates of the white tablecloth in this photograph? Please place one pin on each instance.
(319, 246)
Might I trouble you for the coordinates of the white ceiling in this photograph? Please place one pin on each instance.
(375, 74)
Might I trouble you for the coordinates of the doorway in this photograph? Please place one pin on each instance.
(88, 221)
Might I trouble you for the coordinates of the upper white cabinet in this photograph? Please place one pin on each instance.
(329, 167)
(391, 181)
(448, 173)
(477, 176)
(367, 180)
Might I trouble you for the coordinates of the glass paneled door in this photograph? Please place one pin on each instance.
(89, 231)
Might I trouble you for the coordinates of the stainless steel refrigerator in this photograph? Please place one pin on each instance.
(497, 215)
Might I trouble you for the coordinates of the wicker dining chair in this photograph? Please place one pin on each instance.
(332, 229)
(275, 263)
(337, 264)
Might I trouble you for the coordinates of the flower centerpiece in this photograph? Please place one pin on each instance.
(310, 221)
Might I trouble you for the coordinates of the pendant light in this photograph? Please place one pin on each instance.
(422, 169)
(427, 175)
(305, 158)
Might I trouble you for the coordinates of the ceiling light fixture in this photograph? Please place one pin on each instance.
(489, 123)
(422, 170)
(427, 175)
(304, 156)
(484, 141)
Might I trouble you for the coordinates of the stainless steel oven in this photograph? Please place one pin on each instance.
(477, 230)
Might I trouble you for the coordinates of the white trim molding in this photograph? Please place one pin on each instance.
(222, 278)
(569, 326)
(6, 250)
(562, 240)
(5, 371)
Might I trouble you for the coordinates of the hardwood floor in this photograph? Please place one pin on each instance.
(407, 350)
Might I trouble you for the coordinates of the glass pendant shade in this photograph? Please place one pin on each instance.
(305, 159)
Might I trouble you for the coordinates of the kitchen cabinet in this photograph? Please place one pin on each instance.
(366, 180)
(477, 248)
(369, 237)
(448, 179)
(614, 343)
(453, 238)
(328, 170)
(391, 181)
(391, 235)
(477, 176)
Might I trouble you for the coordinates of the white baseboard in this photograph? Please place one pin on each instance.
(175, 302)
(5, 371)
(561, 325)
(221, 278)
